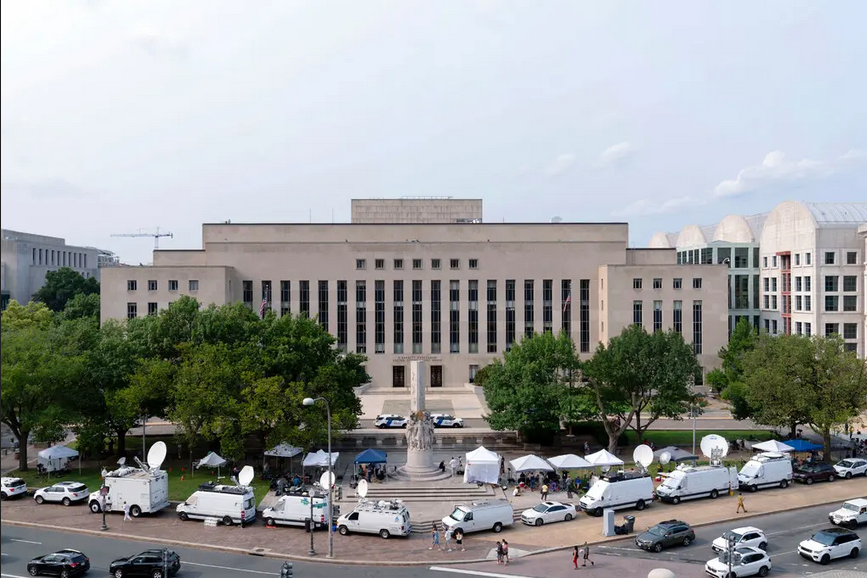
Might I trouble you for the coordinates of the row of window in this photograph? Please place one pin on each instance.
(676, 283)
(677, 319)
(737, 257)
(153, 285)
(830, 258)
(832, 284)
(58, 258)
(805, 303)
(417, 264)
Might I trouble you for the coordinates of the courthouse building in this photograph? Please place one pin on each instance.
(444, 287)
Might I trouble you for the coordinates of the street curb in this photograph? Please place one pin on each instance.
(353, 562)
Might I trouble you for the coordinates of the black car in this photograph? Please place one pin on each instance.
(664, 534)
(817, 472)
(148, 563)
(64, 563)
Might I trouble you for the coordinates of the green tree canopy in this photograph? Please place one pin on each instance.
(17, 316)
(728, 380)
(62, 285)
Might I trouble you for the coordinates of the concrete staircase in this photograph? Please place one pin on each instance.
(420, 492)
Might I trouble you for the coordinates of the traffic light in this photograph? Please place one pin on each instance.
(286, 570)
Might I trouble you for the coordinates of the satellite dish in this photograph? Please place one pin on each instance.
(122, 461)
(714, 446)
(664, 458)
(362, 488)
(157, 455)
(245, 476)
(327, 480)
(605, 468)
(643, 456)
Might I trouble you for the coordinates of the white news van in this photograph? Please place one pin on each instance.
(145, 490)
(384, 517)
(478, 516)
(689, 482)
(850, 514)
(294, 509)
(618, 492)
(228, 504)
(766, 470)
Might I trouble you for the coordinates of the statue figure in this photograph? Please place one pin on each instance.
(419, 431)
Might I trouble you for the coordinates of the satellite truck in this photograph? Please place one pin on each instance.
(621, 490)
(145, 488)
(691, 482)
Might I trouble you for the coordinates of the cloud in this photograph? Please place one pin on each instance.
(616, 153)
(159, 44)
(644, 207)
(560, 164)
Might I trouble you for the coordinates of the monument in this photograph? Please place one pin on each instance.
(419, 432)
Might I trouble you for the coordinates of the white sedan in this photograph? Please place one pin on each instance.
(851, 467)
(548, 512)
(747, 536)
(62, 492)
(745, 562)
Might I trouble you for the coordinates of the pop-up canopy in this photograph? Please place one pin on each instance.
(569, 462)
(531, 463)
(320, 459)
(773, 446)
(371, 456)
(283, 451)
(55, 457)
(603, 458)
(483, 466)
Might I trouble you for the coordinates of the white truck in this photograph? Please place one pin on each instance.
(478, 516)
(227, 504)
(766, 470)
(294, 510)
(384, 517)
(617, 492)
(851, 514)
(145, 490)
(690, 482)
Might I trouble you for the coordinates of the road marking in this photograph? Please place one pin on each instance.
(230, 568)
(12, 576)
(475, 572)
(26, 541)
(796, 530)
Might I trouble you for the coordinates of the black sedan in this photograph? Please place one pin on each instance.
(148, 563)
(64, 563)
(819, 472)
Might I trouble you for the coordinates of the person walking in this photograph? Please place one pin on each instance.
(448, 537)
(499, 552)
(568, 484)
(459, 541)
(741, 503)
(126, 515)
(453, 466)
(435, 538)
(575, 557)
(544, 492)
(505, 553)
(587, 555)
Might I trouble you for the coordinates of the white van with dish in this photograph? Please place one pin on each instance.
(690, 482)
(228, 504)
(766, 470)
(386, 518)
(851, 514)
(294, 509)
(617, 492)
(478, 516)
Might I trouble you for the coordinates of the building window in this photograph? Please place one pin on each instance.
(510, 313)
(547, 305)
(266, 293)
(850, 283)
(755, 257)
(657, 315)
(379, 316)
(767, 282)
(584, 335)
(417, 335)
(247, 293)
(832, 329)
(797, 259)
(473, 316)
(474, 263)
(152, 285)
(529, 307)
(742, 257)
(379, 264)
(436, 316)
(342, 314)
(767, 301)
(153, 308)
(194, 284)
(677, 311)
(131, 310)
(798, 303)
(850, 303)
(455, 263)
(696, 283)
(798, 284)
(285, 294)
(707, 256)
(360, 317)
(774, 329)
(774, 261)
(831, 283)
(132, 285)
(808, 258)
(398, 264)
(361, 264)
(829, 258)
(696, 327)
(773, 284)
(323, 304)
(808, 303)
(454, 317)
(808, 285)
(397, 296)
(799, 328)
(764, 262)
(566, 306)
(492, 316)
(853, 347)
(774, 302)
(474, 369)
(808, 329)
(851, 258)
(173, 284)
(850, 331)
(677, 283)
(636, 283)
(768, 325)
(417, 264)
(435, 264)
(657, 283)
(637, 312)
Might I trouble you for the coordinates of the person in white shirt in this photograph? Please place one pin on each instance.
(453, 465)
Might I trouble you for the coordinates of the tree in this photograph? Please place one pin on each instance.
(728, 380)
(17, 316)
(81, 306)
(638, 375)
(62, 285)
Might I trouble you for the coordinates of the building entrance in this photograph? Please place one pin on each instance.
(398, 376)
(436, 375)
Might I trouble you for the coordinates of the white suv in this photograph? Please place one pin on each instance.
(825, 545)
(745, 562)
(63, 492)
(389, 420)
(446, 420)
(741, 537)
(851, 467)
(12, 487)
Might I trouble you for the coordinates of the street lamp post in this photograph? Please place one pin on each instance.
(103, 491)
(310, 401)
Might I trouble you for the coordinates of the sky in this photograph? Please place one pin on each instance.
(121, 117)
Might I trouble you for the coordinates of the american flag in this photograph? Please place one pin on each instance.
(262, 308)
(567, 302)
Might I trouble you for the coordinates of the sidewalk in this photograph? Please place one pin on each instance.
(370, 549)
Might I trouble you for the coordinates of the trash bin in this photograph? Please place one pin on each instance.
(629, 523)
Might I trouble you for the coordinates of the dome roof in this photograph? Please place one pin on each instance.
(662, 241)
(831, 214)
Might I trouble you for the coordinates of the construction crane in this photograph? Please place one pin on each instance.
(143, 233)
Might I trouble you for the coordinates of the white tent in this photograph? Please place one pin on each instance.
(569, 462)
(212, 460)
(603, 458)
(319, 459)
(483, 466)
(531, 463)
(283, 451)
(55, 457)
(773, 446)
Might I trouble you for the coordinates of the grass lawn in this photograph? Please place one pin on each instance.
(662, 438)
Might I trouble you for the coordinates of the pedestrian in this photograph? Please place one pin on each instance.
(435, 538)
(453, 466)
(505, 553)
(741, 504)
(568, 484)
(459, 541)
(448, 537)
(575, 557)
(126, 515)
(499, 552)
(544, 492)
(587, 555)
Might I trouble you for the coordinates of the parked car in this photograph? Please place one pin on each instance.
(825, 545)
(818, 472)
(745, 562)
(65, 563)
(389, 420)
(748, 536)
(65, 493)
(148, 563)
(446, 420)
(851, 467)
(10, 487)
(548, 512)
(665, 534)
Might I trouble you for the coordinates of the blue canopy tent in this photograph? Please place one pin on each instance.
(800, 445)
(371, 456)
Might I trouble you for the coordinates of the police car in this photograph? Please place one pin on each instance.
(446, 420)
(12, 487)
(389, 420)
